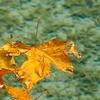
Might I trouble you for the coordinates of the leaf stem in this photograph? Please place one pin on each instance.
(36, 32)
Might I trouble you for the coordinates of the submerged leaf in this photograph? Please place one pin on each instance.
(39, 59)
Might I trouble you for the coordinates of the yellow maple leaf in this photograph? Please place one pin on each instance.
(39, 59)
(7, 53)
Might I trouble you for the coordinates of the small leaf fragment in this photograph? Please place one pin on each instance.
(20, 94)
(6, 62)
(2, 72)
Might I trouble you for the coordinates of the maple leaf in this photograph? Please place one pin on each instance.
(20, 94)
(37, 65)
(7, 64)
(40, 57)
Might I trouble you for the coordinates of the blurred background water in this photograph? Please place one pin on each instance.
(76, 20)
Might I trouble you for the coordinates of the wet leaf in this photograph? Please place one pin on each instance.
(39, 59)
